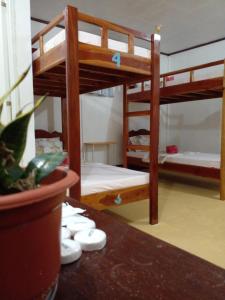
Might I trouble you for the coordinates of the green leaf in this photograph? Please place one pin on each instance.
(44, 164)
(20, 112)
(8, 177)
(5, 96)
(15, 172)
(14, 135)
(1, 127)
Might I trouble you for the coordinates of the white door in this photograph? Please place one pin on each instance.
(15, 57)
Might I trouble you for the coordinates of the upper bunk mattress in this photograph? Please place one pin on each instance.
(91, 39)
(98, 177)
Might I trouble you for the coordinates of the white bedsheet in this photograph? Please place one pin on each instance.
(210, 160)
(92, 39)
(98, 177)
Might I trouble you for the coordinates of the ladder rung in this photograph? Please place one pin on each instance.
(138, 113)
(138, 147)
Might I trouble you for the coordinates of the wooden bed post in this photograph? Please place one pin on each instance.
(72, 95)
(222, 162)
(154, 127)
(125, 125)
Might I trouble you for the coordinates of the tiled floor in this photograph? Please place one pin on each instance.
(191, 217)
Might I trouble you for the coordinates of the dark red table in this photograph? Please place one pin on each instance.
(135, 265)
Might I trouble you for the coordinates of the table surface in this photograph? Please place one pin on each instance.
(134, 265)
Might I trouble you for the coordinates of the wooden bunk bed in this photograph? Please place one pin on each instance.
(70, 68)
(191, 90)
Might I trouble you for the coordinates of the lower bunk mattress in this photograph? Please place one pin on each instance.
(98, 177)
(209, 160)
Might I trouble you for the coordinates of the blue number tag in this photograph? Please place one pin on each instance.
(118, 200)
(116, 59)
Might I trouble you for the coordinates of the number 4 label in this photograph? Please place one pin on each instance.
(116, 59)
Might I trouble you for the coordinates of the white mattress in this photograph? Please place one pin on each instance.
(196, 159)
(189, 158)
(97, 177)
(92, 39)
(209, 160)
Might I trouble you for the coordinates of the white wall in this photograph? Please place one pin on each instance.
(101, 120)
(195, 126)
(48, 116)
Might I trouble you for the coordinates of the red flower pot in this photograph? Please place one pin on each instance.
(30, 238)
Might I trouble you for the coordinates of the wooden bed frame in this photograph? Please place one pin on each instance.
(138, 163)
(72, 68)
(190, 91)
(105, 199)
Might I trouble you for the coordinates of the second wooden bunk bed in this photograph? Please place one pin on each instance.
(71, 68)
(192, 90)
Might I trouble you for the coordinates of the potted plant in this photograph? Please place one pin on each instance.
(30, 212)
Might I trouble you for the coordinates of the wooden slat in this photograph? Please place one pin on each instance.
(114, 27)
(222, 161)
(191, 76)
(191, 169)
(138, 113)
(154, 126)
(50, 59)
(61, 94)
(197, 90)
(131, 44)
(104, 37)
(72, 91)
(138, 97)
(193, 87)
(48, 27)
(41, 45)
(138, 147)
(199, 67)
(112, 72)
(97, 56)
(104, 200)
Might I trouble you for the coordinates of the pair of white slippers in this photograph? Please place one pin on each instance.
(78, 233)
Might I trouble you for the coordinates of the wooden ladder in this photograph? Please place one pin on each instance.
(153, 113)
(126, 115)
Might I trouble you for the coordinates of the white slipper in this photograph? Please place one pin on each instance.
(80, 223)
(91, 239)
(65, 233)
(70, 251)
(68, 220)
(68, 210)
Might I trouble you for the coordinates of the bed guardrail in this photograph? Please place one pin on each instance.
(105, 28)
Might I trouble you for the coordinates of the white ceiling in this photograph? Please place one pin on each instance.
(186, 23)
